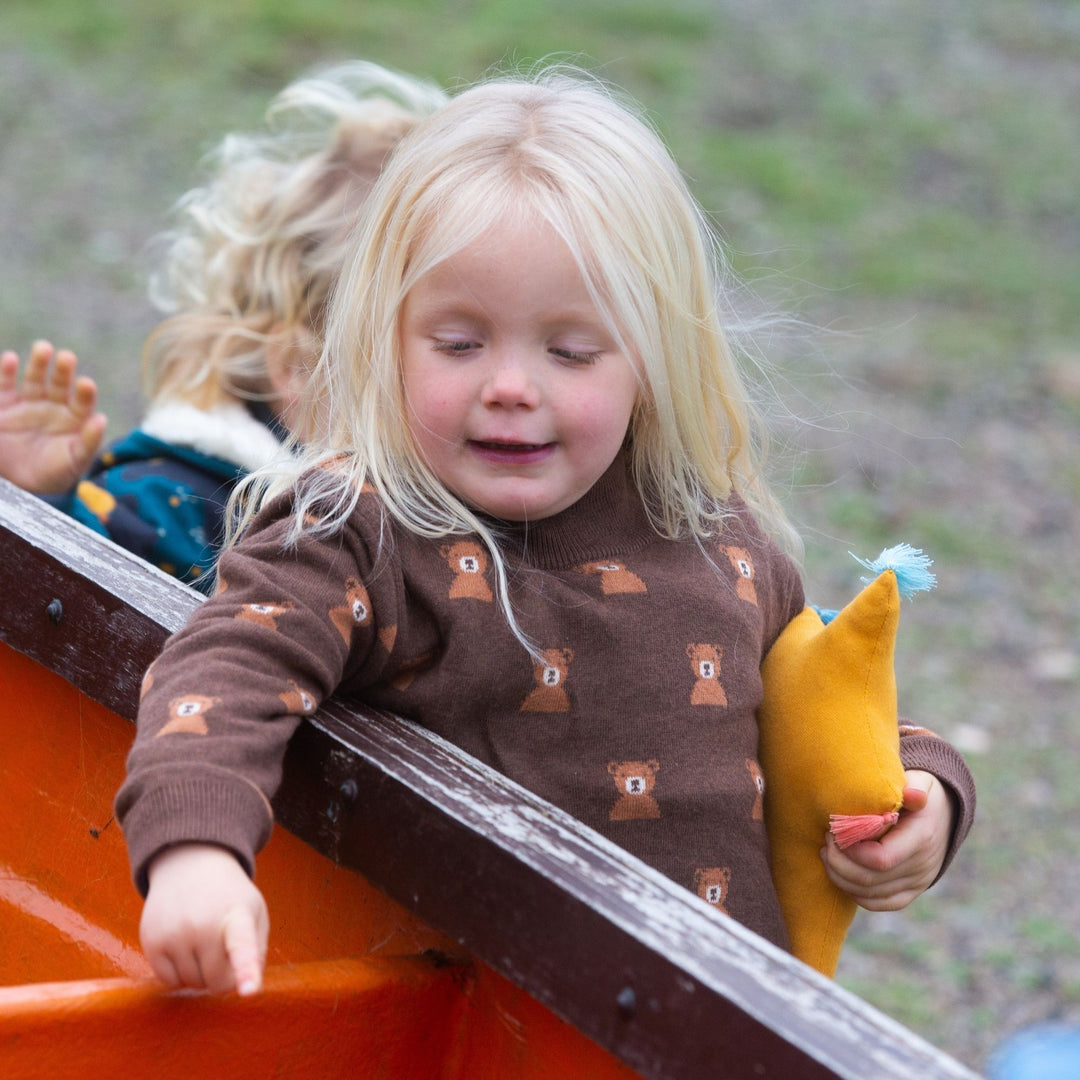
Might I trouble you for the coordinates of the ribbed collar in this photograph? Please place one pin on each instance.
(608, 520)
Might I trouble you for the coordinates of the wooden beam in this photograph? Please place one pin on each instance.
(668, 985)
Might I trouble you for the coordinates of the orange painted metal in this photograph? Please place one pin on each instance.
(393, 1018)
(64, 874)
(511, 1036)
(356, 985)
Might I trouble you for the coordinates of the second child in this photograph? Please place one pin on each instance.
(245, 278)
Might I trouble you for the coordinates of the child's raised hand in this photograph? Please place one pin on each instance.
(887, 874)
(50, 429)
(204, 924)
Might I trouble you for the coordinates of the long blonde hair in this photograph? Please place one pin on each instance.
(561, 145)
(256, 248)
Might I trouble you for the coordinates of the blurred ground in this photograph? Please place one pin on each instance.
(910, 170)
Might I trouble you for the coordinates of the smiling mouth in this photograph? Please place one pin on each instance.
(511, 453)
(509, 447)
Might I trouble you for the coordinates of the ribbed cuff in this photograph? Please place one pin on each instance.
(208, 809)
(943, 760)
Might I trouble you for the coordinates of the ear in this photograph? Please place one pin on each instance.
(291, 353)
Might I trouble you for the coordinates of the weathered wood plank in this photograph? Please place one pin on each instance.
(80, 605)
(663, 982)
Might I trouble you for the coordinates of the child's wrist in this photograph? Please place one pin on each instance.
(185, 853)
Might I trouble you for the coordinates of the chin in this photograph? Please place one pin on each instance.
(517, 511)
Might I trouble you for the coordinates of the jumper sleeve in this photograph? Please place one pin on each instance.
(922, 749)
(222, 700)
(784, 601)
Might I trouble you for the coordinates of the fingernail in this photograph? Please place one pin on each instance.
(247, 987)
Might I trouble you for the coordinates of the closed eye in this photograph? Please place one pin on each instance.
(573, 357)
(453, 347)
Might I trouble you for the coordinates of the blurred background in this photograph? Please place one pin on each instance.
(900, 177)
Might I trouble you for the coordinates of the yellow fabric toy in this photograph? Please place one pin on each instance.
(830, 746)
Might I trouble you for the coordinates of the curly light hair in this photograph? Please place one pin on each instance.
(254, 253)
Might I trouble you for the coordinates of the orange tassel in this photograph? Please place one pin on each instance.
(848, 829)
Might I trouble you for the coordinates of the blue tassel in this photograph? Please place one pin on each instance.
(826, 615)
(910, 565)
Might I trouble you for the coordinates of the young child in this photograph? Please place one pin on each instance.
(535, 437)
(246, 277)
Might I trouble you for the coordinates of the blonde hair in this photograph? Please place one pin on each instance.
(256, 249)
(559, 145)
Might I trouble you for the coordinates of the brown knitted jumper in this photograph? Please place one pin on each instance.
(640, 720)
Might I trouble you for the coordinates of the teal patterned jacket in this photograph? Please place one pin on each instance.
(160, 491)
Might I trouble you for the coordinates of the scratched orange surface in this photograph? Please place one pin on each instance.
(348, 991)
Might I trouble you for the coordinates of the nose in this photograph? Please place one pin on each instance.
(511, 383)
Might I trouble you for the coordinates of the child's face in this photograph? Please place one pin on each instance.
(518, 397)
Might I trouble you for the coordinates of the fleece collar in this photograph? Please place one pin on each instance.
(227, 431)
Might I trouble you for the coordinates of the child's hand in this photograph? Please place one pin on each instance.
(49, 427)
(204, 924)
(887, 874)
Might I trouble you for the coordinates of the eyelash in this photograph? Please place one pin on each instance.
(572, 357)
(569, 356)
(453, 347)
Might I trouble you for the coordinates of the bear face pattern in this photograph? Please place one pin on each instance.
(263, 614)
(744, 567)
(297, 701)
(468, 561)
(634, 781)
(187, 715)
(614, 577)
(356, 611)
(712, 885)
(550, 695)
(757, 813)
(705, 664)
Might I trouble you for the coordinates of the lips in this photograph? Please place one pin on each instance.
(494, 444)
(519, 453)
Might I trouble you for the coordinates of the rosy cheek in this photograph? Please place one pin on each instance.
(435, 410)
(600, 422)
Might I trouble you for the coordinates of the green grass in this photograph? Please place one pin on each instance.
(866, 163)
(904, 173)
